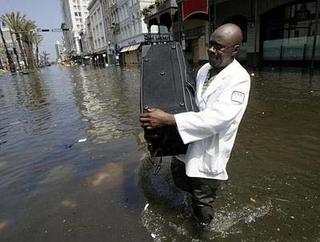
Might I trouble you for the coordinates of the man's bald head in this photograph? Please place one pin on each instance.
(230, 33)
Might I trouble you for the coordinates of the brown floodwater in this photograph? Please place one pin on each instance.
(74, 167)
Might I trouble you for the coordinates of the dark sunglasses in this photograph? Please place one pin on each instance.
(217, 46)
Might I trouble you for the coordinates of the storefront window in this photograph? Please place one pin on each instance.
(289, 32)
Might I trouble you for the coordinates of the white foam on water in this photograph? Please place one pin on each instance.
(223, 224)
(224, 220)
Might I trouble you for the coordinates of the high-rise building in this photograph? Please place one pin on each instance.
(58, 51)
(75, 13)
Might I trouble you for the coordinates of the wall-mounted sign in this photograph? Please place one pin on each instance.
(190, 7)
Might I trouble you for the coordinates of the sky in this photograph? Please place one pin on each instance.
(46, 13)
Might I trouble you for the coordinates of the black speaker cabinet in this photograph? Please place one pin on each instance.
(166, 83)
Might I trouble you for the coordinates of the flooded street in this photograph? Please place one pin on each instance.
(73, 166)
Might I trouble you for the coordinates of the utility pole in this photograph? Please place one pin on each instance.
(315, 34)
(7, 52)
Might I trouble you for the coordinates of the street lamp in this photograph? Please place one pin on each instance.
(104, 59)
(109, 52)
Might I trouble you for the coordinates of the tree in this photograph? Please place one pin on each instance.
(37, 38)
(29, 27)
(15, 22)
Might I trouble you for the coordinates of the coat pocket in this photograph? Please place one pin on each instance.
(211, 156)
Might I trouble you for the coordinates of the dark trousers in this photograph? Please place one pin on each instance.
(202, 190)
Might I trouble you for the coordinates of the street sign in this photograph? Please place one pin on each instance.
(56, 30)
(52, 30)
(43, 30)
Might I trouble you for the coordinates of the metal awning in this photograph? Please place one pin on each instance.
(130, 48)
(124, 49)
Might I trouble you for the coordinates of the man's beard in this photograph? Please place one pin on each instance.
(215, 62)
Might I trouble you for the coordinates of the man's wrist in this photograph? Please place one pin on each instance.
(171, 120)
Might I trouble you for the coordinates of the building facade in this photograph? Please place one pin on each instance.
(97, 29)
(74, 13)
(129, 28)
(276, 32)
(107, 18)
(187, 22)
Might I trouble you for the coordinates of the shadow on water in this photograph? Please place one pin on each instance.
(74, 167)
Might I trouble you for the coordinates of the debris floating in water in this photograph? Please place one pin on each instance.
(253, 200)
(252, 74)
(82, 140)
(145, 207)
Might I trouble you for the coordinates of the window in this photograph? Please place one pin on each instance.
(75, 13)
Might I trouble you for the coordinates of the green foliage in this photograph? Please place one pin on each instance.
(14, 20)
(158, 3)
(146, 11)
(26, 36)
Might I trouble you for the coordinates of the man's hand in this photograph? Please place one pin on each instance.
(156, 118)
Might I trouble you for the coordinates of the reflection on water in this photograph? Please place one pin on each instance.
(109, 104)
(69, 157)
(73, 164)
(108, 177)
(57, 174)
(69, 203)
(3, 224)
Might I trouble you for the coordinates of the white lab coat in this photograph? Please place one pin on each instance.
(211, 132)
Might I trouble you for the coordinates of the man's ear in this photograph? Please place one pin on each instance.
(236, 50)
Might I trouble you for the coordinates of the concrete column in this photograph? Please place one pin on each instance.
(253, 39)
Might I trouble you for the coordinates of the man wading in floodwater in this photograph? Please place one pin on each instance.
(222, 95)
